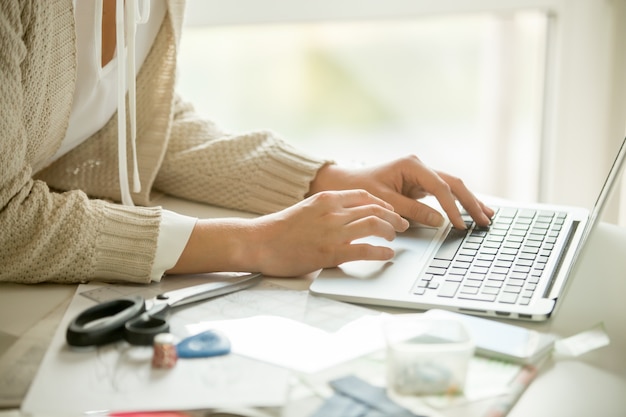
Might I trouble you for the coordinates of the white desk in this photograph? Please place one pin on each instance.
(594, 385)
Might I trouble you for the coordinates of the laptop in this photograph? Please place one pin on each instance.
(517, 268)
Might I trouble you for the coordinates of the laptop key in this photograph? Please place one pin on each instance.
(464, 258)
(466, 289)
(486, 257)
(451, 244)
(454, 277)
(528, 213)
(507, 212)
(512, 289)
(457, 271)
(471, 246)
(422, 284)
(448, 289)
(518, 275)
(490, 290)
(493, 283)
(435, 271)
(440, 263)
(528, 256)
(508, 297)
(467, 252)
(478, 297)
(472, 283)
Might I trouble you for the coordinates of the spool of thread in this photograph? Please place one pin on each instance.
(164, 355)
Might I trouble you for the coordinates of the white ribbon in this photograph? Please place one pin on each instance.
(127, 16)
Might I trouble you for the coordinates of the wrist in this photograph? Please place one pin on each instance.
(219, 245)
(326, 179)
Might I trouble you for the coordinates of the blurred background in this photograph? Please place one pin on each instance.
(523, 99)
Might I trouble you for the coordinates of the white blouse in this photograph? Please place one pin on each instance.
(96, 101)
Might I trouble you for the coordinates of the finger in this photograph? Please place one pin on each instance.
(432, 183)
(347, 199)
(447, 200)
(418, 211)
(487, 210)
(362, 252)
(355, 198)
(369, 226)
(397, 222)
(479, 212)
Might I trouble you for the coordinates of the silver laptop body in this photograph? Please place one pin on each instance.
(517, 268)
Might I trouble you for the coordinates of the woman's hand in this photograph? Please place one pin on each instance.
(318, 232)
(401, 183)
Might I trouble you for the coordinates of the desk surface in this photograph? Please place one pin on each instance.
(594, 384)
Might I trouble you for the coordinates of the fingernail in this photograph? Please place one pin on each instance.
(434, 219)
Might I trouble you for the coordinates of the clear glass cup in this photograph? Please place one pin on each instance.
(426, 356)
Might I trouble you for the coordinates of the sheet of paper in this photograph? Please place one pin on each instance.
(119, 377)
(298, 346)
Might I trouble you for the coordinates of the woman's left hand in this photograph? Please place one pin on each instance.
(402, 183)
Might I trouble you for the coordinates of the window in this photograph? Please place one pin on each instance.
(512, 96)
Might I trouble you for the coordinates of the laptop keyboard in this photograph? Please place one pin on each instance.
(502, 262)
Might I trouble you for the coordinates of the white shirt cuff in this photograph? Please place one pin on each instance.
(173, 237)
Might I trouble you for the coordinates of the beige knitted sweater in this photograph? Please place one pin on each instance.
(56, 222)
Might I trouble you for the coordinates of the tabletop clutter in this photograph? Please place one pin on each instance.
(425, 356)
(357, 361)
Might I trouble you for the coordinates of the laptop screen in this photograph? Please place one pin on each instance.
(605, 193)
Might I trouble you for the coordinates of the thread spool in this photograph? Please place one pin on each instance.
(164, 355)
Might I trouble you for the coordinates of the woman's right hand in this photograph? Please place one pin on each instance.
(318, 232)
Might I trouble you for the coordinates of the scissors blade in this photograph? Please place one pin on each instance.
(209, 290)
(142, 329)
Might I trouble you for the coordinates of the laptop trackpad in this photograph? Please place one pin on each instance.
(410, 248)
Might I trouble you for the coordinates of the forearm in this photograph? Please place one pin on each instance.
(218, 245)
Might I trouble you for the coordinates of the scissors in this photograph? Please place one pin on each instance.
(137, 320)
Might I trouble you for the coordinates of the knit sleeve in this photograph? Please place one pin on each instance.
(68, 238)
(45, 235)
(256, 171)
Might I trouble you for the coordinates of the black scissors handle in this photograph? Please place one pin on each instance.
(104, 322)
(127, 318)
(142, 329)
